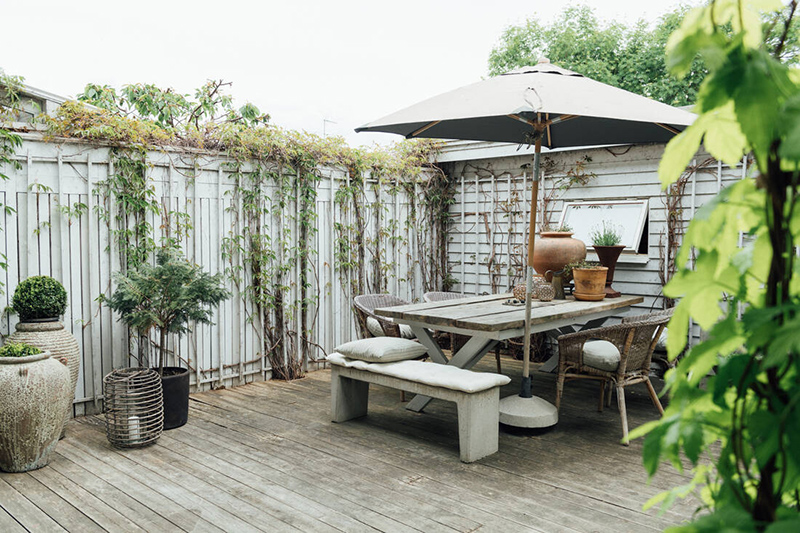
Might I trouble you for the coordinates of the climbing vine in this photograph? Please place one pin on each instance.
(9, 142)
(269, 249)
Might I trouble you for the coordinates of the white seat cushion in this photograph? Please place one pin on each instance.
(602, 355)
(382, 349)
(375, 328)
(433, 374)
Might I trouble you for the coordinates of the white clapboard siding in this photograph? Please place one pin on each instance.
(79, 250)
(486, 185)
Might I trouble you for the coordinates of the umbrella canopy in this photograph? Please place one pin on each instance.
(581, 112)
(540, 105)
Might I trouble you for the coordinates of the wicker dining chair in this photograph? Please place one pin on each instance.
(616, 355)
(456, 340)
(372, 325)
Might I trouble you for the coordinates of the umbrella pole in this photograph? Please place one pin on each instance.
(526, 363)
(526, 410)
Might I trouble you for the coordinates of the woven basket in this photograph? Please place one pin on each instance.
(134, 407)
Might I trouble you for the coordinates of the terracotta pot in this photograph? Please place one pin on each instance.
(34, 396)
(608, 256)
(590, 283)
(556, 249)
(49, 335)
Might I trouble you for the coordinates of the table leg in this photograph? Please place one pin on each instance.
(467, 357)
(427, 340)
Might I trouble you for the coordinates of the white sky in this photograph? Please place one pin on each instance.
(301, 61)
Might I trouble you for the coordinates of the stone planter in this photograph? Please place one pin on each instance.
(49, 335)
(556, 249)
(34, 396)
(590, 283)
(608, 256)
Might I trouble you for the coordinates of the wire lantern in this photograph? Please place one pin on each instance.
(134, 407)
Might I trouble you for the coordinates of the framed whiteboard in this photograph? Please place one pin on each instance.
(627, 216)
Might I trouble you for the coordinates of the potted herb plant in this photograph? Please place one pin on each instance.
(34, 398)
(39, 302)
(606, 241)
(168, 297)
(589, 279)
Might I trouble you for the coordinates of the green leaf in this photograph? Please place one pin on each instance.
(680, 151)
(790, 525)
(678, 331)
(724, 138)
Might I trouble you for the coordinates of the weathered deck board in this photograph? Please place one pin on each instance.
(265, 457)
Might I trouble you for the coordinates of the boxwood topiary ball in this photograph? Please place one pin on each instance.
(39, 297)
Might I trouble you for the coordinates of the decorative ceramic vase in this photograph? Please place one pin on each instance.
(34, 396)
(608, 256)
(545, 292)
(52, 337)
(590, 283)
(519, 292)
(556, 249)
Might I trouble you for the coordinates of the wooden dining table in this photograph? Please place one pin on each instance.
(487, 320)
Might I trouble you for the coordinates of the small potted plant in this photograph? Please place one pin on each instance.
(167, 297)
(606, 241)
(589, 279)
(34, 397)
(39, 302)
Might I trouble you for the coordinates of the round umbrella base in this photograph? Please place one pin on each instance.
(527, 412)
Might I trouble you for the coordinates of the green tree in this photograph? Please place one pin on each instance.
(172, 111)
(168, 296)
(736, 396)
(631, 58)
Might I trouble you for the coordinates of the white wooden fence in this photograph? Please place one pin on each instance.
(46, 235)
(42, 237)
(487, 183)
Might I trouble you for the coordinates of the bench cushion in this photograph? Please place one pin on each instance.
(433, 374)
(382, 349)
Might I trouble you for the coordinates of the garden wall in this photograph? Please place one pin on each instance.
(490, 214)
(64, 225)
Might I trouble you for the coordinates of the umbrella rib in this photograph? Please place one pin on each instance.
(425, 127)
(668, 128)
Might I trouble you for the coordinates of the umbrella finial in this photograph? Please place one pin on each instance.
(543, 60)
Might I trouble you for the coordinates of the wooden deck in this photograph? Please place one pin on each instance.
(265, 457)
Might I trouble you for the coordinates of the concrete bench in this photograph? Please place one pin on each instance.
(476, 394)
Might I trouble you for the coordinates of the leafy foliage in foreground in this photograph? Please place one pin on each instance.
(746, 413)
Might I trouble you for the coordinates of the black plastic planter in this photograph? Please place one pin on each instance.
(175, 383)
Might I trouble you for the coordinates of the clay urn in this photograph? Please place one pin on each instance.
(554, 250)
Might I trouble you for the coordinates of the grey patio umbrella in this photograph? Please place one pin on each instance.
(542, 104)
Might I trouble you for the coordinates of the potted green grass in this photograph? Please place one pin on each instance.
(168, 297)
(39, 302)
(606, 241)
(34, 397)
